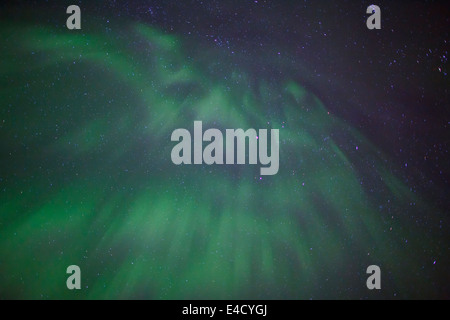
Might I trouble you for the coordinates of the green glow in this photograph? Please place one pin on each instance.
(140, 227)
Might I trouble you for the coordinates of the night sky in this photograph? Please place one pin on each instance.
(86, 176)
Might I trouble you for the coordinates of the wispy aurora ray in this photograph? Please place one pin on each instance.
(87, 178)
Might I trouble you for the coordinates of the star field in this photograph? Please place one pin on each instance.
(86, 176)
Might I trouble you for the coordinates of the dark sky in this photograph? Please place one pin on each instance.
(389, 85)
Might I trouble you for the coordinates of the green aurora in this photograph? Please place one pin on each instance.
(86, 179)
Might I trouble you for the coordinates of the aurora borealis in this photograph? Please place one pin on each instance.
(86, 176)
